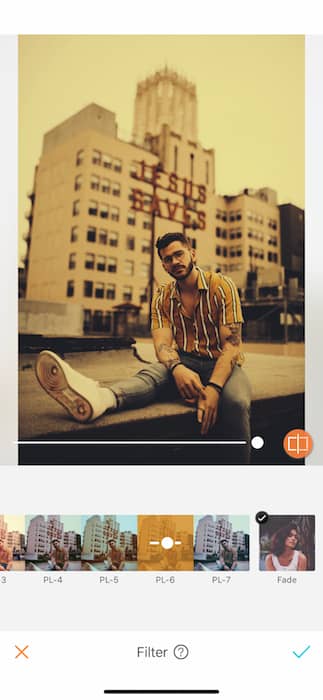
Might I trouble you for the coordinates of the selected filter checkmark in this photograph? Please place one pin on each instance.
(299, 656)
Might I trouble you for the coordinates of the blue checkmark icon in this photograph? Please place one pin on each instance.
(299, 656)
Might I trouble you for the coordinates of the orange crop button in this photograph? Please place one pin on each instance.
(298, 443)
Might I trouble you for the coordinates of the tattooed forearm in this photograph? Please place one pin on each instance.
(167, 355)
(163, 347)
(235, 334)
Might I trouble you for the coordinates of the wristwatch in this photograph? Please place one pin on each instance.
(216, 386)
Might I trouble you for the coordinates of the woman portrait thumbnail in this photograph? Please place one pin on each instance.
(287, 543)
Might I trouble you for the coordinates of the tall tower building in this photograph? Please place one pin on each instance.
(165, 98)
(3, 529)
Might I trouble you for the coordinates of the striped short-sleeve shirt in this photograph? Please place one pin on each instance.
(219, 304)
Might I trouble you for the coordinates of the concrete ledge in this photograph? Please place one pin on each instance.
(277, 382)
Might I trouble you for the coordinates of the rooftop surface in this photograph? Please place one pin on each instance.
(271, 377)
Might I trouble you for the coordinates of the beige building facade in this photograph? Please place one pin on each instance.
(99, 203)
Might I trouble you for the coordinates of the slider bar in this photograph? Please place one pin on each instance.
(161, 692)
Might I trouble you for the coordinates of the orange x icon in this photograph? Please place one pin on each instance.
(22, 651)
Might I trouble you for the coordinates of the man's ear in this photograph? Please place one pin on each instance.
(193, 254)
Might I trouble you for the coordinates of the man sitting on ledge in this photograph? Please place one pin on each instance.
(196, 330)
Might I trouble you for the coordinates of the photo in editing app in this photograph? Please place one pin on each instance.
(287, 543)
(129, 335)
(109, 543)
(53, 543)
(12, 543)
(165, 543)
(221, 543)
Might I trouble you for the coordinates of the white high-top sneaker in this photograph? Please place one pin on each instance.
(82, 397)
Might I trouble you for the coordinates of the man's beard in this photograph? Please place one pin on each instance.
(185, 274)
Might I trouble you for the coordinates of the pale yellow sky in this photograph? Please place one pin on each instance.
(250, 89)
(15, 523)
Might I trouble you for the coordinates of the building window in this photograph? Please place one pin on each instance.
(144, 270)
(111, 291)
(192, 165)
(93, 207)
(116, 189)
(79, 157)
(95, 182)
(106, 161)
(70, 288)
(145, 245)
(131, 220)
(175, 158)
(100, 263)
(112, 265)
(117, 165)
(127, 294)
(89, 261)
(147, 200)
(87, 288)
(105, 185)
(115, 215)
(104, 211)
(76, 207)
(98, 318)
(129, 267)
(99, 290)
(103, 236)
(74, 234)
(78, 182)
(133, 170)
(72, 261)
(143, 297)
(96, 157)
(91, 234)
(130, 243)
(147, 223)
(113, 239)
(207, 172)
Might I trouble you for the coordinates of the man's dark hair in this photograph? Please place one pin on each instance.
(167, 238)
(112, 540)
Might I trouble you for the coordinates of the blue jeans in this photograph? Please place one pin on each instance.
(156, 382)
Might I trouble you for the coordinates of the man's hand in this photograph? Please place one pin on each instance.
(207, 409)
(188, 384)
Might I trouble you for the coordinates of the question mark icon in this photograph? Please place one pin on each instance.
(181, 652)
